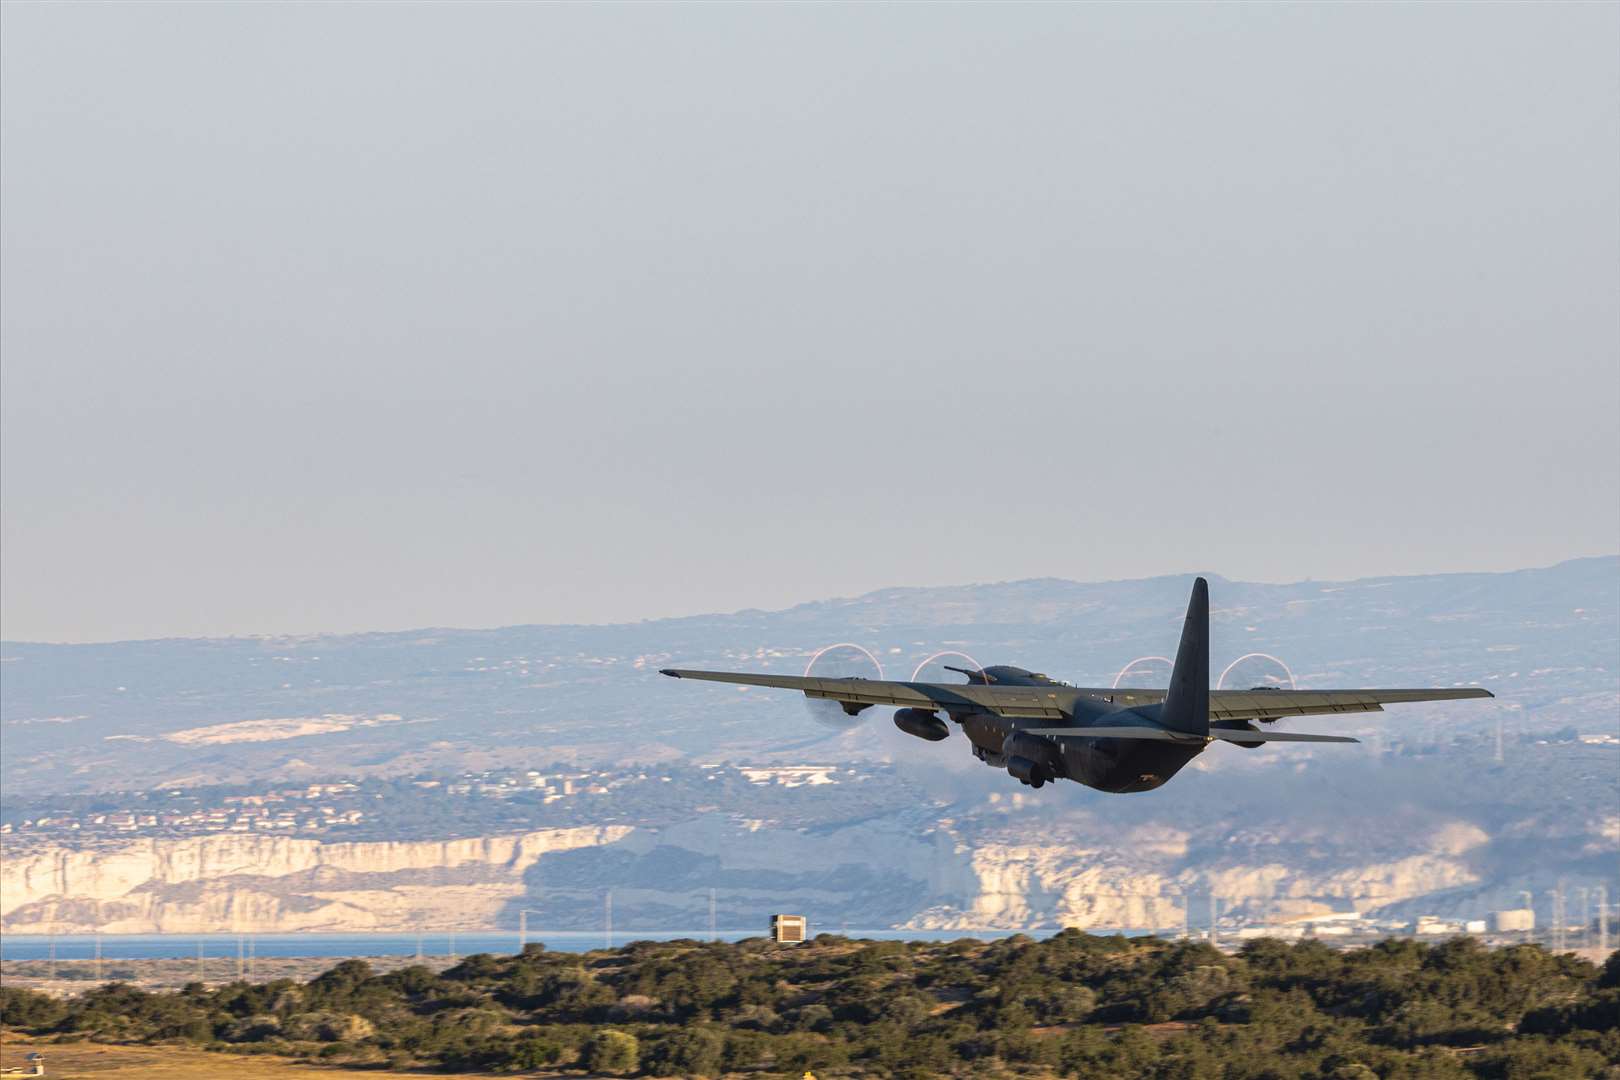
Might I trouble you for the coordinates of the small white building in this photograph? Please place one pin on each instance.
(1513, 919)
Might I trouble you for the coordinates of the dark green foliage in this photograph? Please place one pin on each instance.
(534, 1052)
(697, 1051)
(1074, 1004)
(27, 1009)
(616, 1053)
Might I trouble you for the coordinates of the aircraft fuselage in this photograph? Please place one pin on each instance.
(1113, 765)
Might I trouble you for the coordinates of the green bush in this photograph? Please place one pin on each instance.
(697, 1051)
(616, 1053)
(533, 1052)
(29, 1010)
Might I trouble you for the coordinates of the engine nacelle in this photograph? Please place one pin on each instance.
(1033, 747)
(1030, 758)
(921, 723)
(1026, 770)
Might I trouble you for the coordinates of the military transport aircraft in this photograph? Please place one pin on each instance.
(1118, 740)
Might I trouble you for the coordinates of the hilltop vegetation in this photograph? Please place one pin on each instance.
(1074, 1005)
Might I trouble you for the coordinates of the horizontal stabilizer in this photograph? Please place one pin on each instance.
(1164, 735)
(1157, 733)
(1275, 736)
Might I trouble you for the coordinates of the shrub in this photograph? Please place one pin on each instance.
(27, 1009)
(534, 1052)
(697, 1051)
(616, 1053)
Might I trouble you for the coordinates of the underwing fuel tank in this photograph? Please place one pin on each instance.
(921, 723)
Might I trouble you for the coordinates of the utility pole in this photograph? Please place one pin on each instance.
(607, 918)
(1586, 916)
(712, 935)
(452, 946)
(523, 925)
(241, 957)
(1214, 918)
(253, 956)
(53, 954)
(199, 960)
(98, 957)
(1603, 919)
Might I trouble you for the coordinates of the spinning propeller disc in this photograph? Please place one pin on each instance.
(844, 660)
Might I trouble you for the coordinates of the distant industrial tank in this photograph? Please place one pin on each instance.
(1513, 919)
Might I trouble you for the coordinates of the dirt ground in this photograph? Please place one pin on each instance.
(95, 1061)
(64, 1061)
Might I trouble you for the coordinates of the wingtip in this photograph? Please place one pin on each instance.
(671, 672)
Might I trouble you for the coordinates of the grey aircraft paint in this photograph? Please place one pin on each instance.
(1118, 740)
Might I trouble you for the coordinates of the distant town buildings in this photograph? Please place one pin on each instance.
(322, 809)
(791, 775)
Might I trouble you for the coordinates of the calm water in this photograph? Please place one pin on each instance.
(156, 946)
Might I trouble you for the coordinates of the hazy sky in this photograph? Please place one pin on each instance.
(378, 316)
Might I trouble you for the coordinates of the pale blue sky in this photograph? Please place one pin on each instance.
(362, 317)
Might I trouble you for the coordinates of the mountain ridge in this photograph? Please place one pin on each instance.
(891, 592)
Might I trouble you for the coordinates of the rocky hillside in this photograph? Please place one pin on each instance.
(180, 712)
(270, 883)
(1396, 835)
(1420, 817)
(264, 884)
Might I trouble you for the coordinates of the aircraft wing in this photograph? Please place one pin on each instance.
(1165, 735)
(1273, 704)
(1053, 702)
(1038, 702)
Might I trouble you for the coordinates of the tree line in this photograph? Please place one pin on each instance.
(1075, 1004)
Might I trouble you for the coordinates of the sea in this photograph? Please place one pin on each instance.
(440, 944)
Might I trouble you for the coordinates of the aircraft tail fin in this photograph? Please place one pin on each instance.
(1186, 703)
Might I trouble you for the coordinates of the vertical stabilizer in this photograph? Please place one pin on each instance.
(1186, 704)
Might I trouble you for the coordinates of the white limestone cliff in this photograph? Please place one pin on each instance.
(248, 883)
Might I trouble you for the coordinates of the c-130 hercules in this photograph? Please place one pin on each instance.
(1116, 740)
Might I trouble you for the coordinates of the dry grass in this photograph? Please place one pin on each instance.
(65, 1061)
(67, 978)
